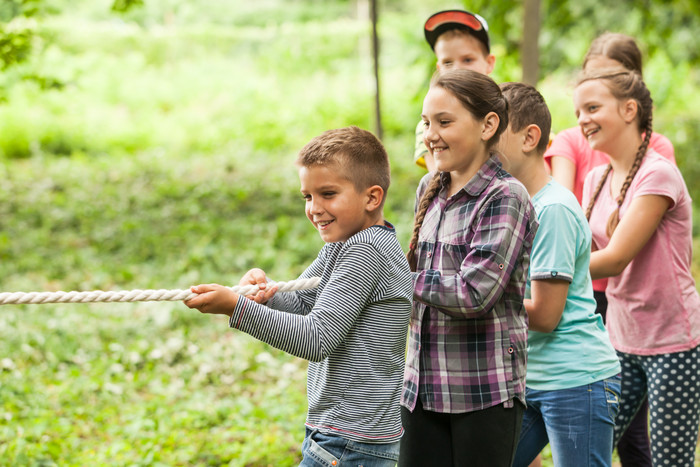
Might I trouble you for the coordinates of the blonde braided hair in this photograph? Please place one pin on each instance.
(624, 85)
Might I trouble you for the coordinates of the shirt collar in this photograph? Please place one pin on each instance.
(481, 180)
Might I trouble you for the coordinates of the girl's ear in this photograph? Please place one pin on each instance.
(629, 110)
(490, 125)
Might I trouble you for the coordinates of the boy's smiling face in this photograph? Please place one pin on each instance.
(333, 204)
(462, 51)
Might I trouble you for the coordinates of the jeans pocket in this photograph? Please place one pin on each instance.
(320, 455)
(317, 455)
(612, 396)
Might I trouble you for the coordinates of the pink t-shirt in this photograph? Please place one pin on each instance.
(572, 145)
(653, 305)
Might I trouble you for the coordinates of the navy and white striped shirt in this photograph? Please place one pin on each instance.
(352, 328)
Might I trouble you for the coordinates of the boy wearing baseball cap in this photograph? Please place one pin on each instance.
(460, 40)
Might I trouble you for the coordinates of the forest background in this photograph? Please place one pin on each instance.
(150, 144)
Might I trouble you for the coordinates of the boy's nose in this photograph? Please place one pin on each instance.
(315, 207)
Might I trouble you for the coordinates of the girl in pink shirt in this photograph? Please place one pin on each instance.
(640, 215)
(571, 158)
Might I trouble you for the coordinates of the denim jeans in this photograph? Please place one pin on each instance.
(578, 423)
(321, 450)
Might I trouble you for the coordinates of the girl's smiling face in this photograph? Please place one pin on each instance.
(599, 114)
(452, 134)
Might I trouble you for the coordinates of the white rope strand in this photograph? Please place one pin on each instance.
(19, 298)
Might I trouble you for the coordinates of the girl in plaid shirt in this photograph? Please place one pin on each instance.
(464, 382)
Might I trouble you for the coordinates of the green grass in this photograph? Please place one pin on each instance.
(156, 151)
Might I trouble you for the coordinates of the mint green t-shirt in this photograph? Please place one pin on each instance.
(578, 351)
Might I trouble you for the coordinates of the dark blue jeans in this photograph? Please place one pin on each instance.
(322, 450)
(633, 448)
(578, 423)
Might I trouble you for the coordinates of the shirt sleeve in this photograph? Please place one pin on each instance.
(562, 145)
(663, 146)
(554, 249)
(420, 150)
(301, 301)
(659, 178)
(494, 253)
(315, 335)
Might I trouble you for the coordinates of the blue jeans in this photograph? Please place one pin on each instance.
(578, 423)
(321, 450)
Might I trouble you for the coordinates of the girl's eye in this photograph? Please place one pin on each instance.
(425, 123)
(306, 197)
(328, 194)
(444, 122)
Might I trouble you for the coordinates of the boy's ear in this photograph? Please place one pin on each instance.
(375, 197)
(533, 133)
(629, 110)
(491, 63)
(490, 125)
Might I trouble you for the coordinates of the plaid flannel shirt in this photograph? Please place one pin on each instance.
(468, 332)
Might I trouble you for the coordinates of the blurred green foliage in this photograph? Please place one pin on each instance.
(151, 145)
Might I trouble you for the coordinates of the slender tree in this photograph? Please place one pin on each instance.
(530, 49)
(375, 55)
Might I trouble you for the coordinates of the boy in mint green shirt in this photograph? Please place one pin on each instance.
(573, 383)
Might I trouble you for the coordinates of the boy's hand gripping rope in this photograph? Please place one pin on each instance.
(17, 298)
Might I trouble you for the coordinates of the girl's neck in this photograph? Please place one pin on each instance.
(623, 154)
(459, 178)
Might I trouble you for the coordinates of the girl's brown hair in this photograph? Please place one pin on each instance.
(480, 95)
(624, 85)
(619, 47)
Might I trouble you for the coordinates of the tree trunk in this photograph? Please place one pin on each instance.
(530, 52)
(375, 55)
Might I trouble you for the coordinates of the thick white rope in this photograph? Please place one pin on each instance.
(18, 298)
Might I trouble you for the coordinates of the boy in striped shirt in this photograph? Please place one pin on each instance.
(352, 328)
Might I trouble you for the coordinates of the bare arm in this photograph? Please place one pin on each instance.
(632, 233)
(546, 306)
(563, 171)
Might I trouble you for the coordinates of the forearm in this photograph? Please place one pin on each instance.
(295, 334)
(605, 264)
(547, 303)
(540, 317)
(456, 295)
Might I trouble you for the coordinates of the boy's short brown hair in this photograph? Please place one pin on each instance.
(358, 155)
(526, 106)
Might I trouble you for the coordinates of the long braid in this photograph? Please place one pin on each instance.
(623, 85)
(615, 216)
(589, 209)
(430, 193)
